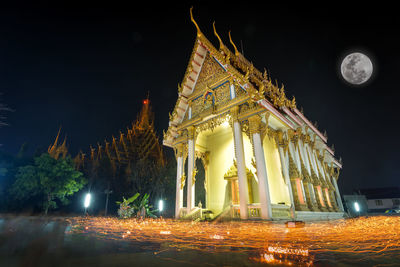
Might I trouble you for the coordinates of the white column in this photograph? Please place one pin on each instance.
(296, 159)
(191, 161)
(263, 187)
(241, 166)
(285, 169)
(179, 191)
(312, 193)
(339, 199)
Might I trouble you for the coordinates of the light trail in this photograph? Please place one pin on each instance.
(375, 237)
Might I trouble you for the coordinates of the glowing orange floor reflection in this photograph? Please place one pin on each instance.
(373, 237)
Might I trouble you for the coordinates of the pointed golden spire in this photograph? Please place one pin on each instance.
(54, 146)
(91, 153)
(221, 44)
(99, 151)
(63, 148)
(195, 24)
(234, 46)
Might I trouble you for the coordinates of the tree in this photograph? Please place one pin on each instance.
(49, 179)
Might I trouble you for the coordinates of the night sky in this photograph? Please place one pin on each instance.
(87, 68)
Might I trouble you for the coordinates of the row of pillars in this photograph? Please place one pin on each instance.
(255, 128)
(309, 191)
(264, 193)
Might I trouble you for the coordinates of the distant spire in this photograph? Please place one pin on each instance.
(55, 150)
(145, 115)
(53, 147)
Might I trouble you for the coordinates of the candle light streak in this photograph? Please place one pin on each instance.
(375, 237)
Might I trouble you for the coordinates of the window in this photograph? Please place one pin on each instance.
(378, 202)
(396, 201)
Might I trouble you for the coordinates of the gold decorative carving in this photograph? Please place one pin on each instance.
(254, 124)
(246, 129)
(234, 46)
(280, 140)
(221, 44)
(194, 175)
(183, 179)
(191, 132)
(199, 33)
(234, 113)
(179, 150)
(210, 72)
(315, 178)
(211, 124)
(204, 156)
(293, 172)
(233, 173)
(222, 94)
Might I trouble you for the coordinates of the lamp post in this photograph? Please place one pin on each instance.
(357, 208)
(86, 203)
(107, 192)
(160, 206)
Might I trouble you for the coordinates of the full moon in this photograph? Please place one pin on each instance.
(356, 68)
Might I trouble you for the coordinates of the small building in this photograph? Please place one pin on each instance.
(382, 199)
(260, 156)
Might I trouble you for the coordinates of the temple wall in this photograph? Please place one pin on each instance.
(221, 148)
(248, 155)
(277, 187)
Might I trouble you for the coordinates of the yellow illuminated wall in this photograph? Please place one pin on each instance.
(220, 146)
(277, 187)
(221, 149)
(248, 155)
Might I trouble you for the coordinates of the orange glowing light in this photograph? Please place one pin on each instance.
(378, 236)
(165, 232)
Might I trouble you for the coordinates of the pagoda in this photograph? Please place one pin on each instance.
(262, 157)
(55, 150)
(138, 143)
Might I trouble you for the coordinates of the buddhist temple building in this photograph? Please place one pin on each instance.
(262, 157)
(138, 142)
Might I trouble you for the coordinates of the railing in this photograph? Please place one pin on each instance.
(235, 211)
(254, 210)
(182, 212)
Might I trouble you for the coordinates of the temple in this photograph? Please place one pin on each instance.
(55, 150)
(138, 143)
(262, 157)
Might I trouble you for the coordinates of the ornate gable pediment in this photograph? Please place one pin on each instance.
(211, 72)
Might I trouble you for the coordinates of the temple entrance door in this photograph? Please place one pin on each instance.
(200, 191)
(235, 191)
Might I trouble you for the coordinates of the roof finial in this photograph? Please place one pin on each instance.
(53, 147)
(234, 46)
(221, 44)
(195, 24)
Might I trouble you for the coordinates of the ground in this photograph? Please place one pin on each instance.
(98, 241)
